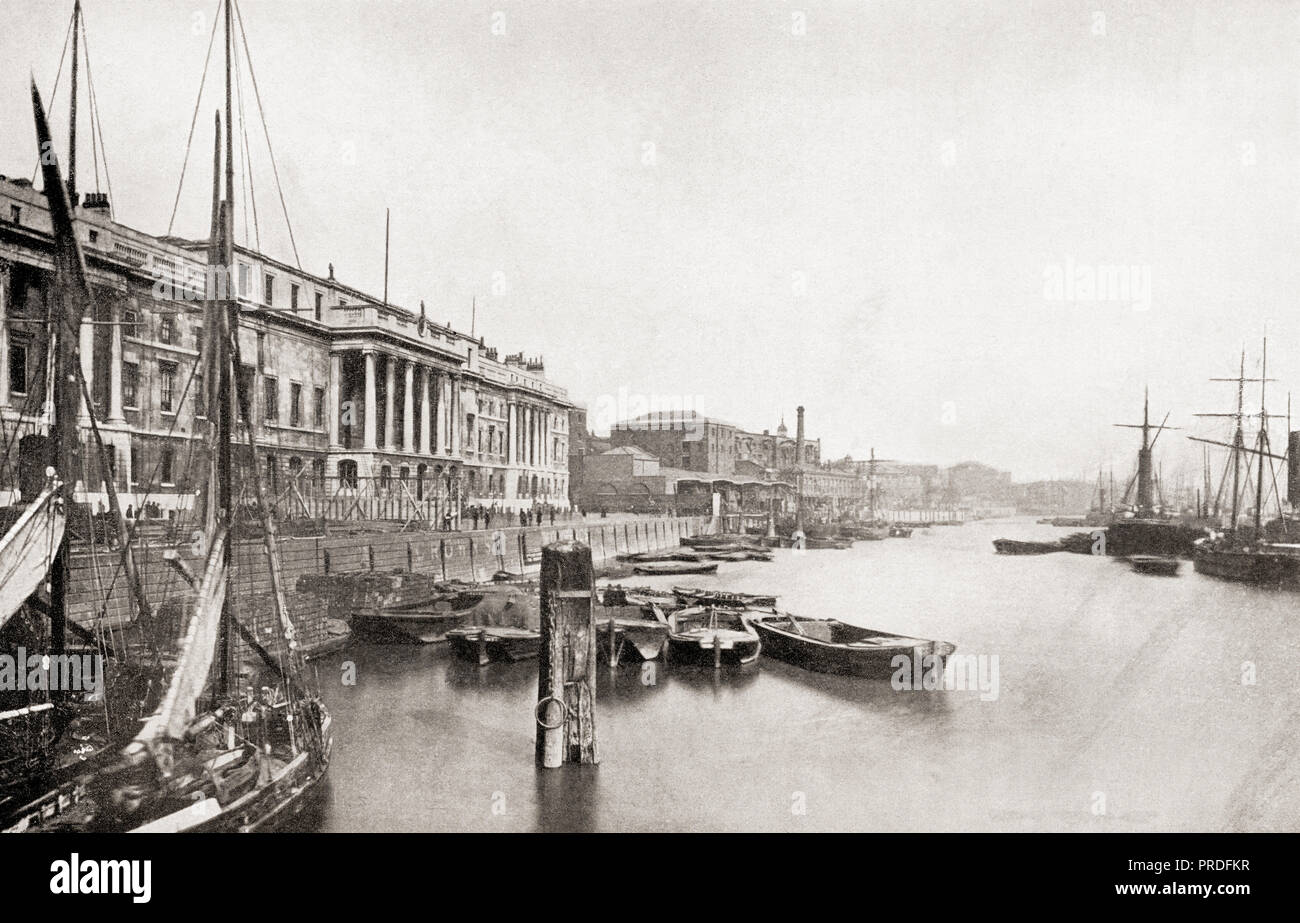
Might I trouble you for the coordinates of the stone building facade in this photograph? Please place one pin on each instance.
(348, 393)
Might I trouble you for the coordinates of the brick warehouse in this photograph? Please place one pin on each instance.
(349, 395)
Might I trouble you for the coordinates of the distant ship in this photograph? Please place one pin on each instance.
(1251, 553)
(1147, 528)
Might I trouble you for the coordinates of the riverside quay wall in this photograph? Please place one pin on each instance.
(101, 598)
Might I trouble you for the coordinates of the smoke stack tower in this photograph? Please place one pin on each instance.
(798, 467)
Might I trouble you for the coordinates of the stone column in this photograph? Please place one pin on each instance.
(87, 350)
(390, 387)
(371, 411)
(334, 403)
(408, 409)
(457, 446)
(508, 436)
(4, 333)
(426, 418)
(115, 366)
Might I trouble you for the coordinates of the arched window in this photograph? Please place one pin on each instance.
(348, 474)
(386, 476)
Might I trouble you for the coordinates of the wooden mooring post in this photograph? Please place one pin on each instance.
(566, 668)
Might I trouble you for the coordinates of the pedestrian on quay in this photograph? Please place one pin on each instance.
(474, 515)
(552, 515)
(446, 520)
(523, 518)
(487, 518)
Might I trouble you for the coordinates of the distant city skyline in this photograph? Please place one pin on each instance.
(951, 232)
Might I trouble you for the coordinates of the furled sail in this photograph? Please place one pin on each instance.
(196, 653)
(27, 550)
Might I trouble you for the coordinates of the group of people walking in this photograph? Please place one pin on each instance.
(478, 516)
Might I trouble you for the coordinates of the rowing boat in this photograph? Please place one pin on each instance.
(832, 646)
(711, 635)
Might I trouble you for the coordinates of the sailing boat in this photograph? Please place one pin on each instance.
(1243, 552)
(211, 758)
(1147, 528)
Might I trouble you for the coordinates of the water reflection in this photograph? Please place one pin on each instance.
(1109, 681)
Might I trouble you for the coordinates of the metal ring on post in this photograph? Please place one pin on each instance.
(537, 713)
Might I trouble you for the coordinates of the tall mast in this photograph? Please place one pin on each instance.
(72, 117)
(65, 325)
(1263, 440)
(1238, 441)
(225, 385)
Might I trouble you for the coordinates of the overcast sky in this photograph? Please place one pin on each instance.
(888, 212)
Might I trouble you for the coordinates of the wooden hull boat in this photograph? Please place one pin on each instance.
(637, 630)
(1126, 537)
(1155, 564)
(677, 554)
(236, 791)
(485, 643)
(1265, 565)
(429, 621)
(866, 532)
(838, 544)
(617, 595)
(694, 596)
(674, 567)
(1012, 546)
(746, 555)
(712, 636)
(832, 646)
(714, 542)
(900, 532)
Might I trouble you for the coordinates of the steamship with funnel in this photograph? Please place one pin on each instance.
(1148, 528)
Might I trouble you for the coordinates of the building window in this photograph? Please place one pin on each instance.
(167, 386)
(295, 466)
(272, 472)
(245, 394)
(318, 471)
(318, 413)
(166, 329)
(403, 473)
(17, 368)
(271, 399)
(319, 303)
(198, 338)
(130, 324)
(165, 460)
(268, 289)
(200, 404)
(244, 273)
(386, 477)
(295, 404)
(130, 385)
(15, 214)
(348, 473)
(293, 298)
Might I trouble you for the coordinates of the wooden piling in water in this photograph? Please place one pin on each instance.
(566, 683)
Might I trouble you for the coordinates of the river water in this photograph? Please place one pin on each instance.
(1123, 703)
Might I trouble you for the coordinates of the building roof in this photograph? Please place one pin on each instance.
(633, 451)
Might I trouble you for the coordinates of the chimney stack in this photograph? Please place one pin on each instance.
(798, 437)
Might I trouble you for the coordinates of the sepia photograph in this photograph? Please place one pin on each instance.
(650, 416)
